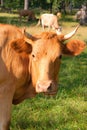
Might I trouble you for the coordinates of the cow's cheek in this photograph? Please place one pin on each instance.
(54, 72)
(57, 69)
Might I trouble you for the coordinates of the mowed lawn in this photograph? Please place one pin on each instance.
(68, 109)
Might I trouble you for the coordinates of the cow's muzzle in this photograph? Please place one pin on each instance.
(47, 87)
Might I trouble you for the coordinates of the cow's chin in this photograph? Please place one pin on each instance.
(53, 93)
(49, 94)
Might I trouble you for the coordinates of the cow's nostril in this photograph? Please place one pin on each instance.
(50, 87)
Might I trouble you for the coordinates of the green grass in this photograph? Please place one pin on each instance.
(68, 109)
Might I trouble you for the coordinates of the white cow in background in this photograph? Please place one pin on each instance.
(49, 20)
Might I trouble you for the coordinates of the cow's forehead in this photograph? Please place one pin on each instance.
(49, 46)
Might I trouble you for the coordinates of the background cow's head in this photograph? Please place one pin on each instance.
(45, 52)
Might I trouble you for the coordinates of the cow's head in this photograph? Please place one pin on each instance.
(45, 52)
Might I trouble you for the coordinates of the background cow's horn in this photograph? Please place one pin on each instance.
(67, 36)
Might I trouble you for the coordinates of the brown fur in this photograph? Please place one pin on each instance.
(28, 66)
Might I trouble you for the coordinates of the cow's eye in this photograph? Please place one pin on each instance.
(60, 56)
(33, 55)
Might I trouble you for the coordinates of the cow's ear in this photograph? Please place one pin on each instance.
(21, 46)
(73, 48)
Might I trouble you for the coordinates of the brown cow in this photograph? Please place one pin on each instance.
(30, 65)
(29, 13)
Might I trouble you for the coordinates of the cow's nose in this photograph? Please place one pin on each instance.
(43, 86)
(49, 87)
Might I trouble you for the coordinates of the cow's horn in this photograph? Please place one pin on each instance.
(29, 36)
(67, 36)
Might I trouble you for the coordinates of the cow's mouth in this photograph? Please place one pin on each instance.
(53, 93)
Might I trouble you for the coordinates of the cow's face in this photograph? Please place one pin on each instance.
(46, 56)
(45, 53)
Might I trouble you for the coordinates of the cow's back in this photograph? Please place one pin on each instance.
(23, 12)
(8, 33)
(49, 20)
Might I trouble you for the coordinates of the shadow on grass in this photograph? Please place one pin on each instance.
(36, 125)
(67, 18)
(15, 21)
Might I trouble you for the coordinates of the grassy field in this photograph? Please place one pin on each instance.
(68, 109)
